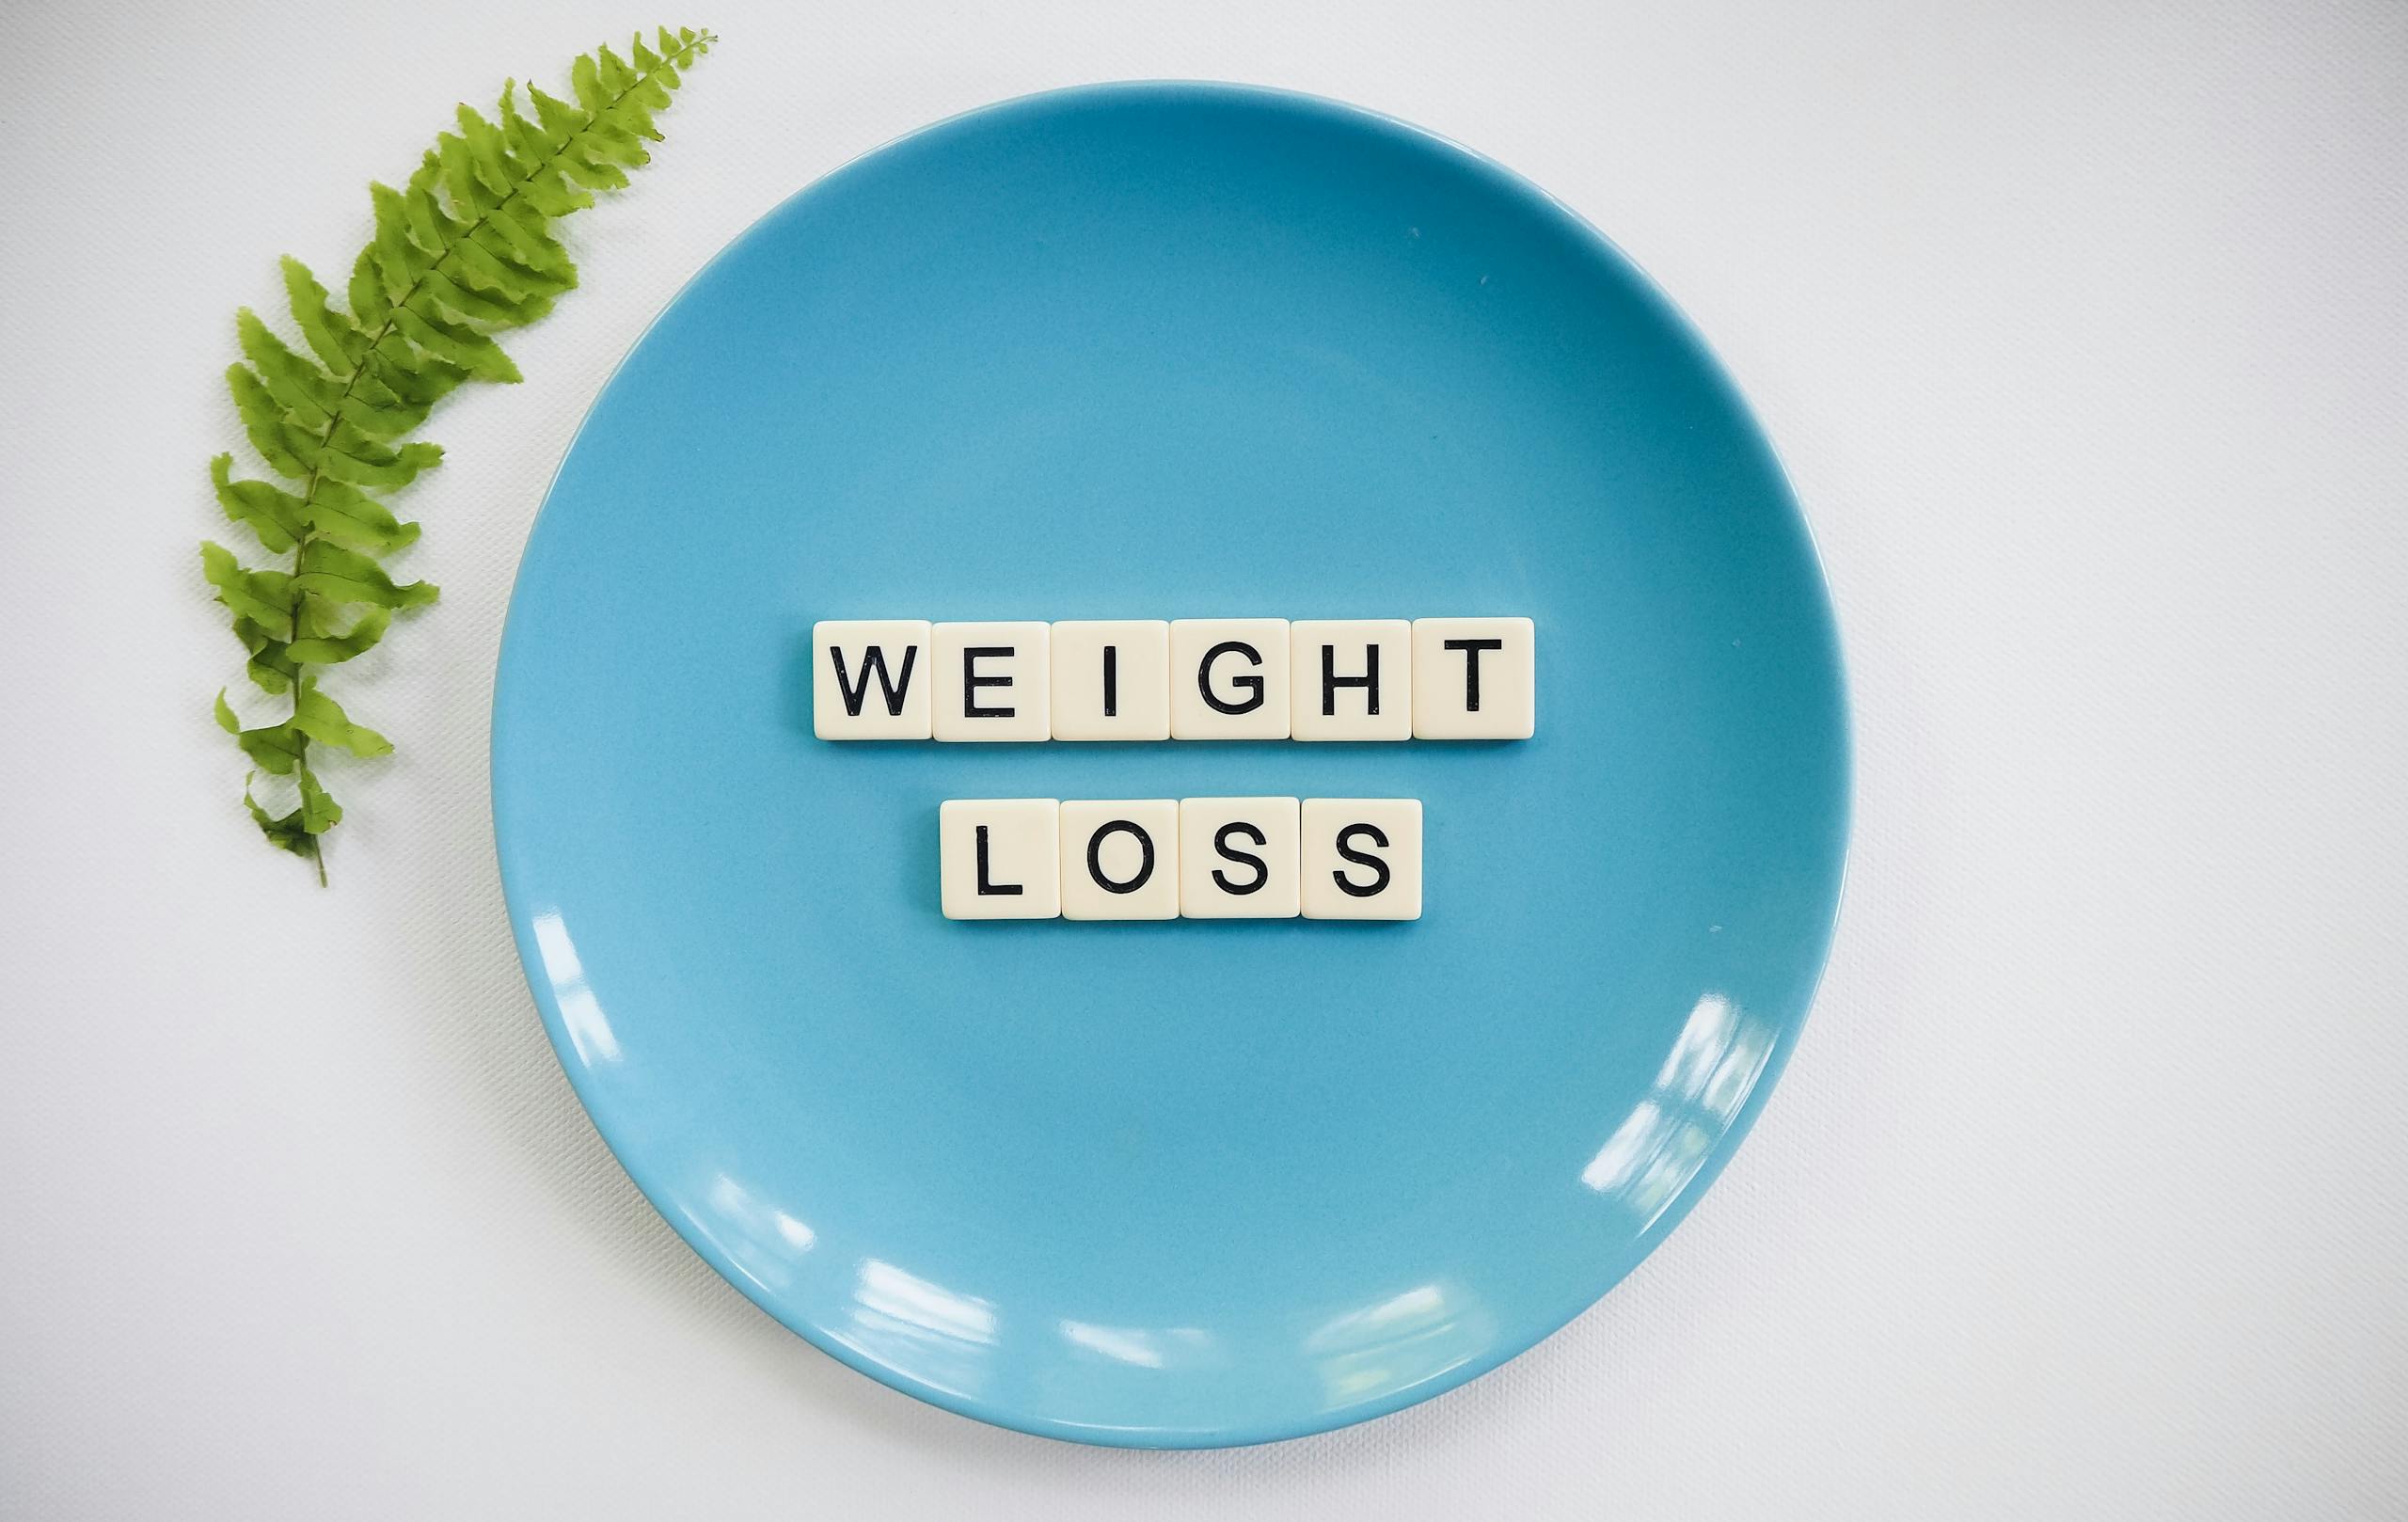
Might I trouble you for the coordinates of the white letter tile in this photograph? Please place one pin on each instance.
(1110, 679)
(1352, 678)
(1120, 859)
(870, 679)
(1362, 859)
(999, 858)
(1229, 678)
(1474, 679)
(991, 682)
(1237, 858)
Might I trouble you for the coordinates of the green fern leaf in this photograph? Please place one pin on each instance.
(277, 748)
(337, 577)
(462, 250)
(265, 598)
(274, 516)
(366, 296)
(293, 833)
(331, 335)
(333, 649)
(322, 719)
(344, 515)
(454, 342)
(308, 394)
(355, 459)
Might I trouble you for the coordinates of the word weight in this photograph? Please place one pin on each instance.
(1182, 679)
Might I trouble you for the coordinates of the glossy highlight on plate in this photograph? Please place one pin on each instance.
(1175, 1183)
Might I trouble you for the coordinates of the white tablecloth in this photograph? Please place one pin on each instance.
(2084, 331)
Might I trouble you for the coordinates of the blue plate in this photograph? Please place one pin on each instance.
(1162, 351)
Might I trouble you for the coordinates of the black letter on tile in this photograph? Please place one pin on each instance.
(1379, 868)
(1244, 684)
(1000, 890)
(1368, 681)
(1471, 649)
(1145, 862)
(1221, 844)
(873, 659)
(971, 681)
(1110, 681)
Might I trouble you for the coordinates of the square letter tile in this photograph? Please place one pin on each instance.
(869, 679)
(1362, 859)
(1352, 678)
(1237, 858)
(1474, 679)
(1120, 859)
(991, 681)
(1229, 678)
(999, 858)
(1110, 679)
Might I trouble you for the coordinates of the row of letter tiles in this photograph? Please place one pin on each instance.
(1188, 679)
(1193, 858)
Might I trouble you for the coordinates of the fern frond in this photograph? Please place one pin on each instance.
(462, 250)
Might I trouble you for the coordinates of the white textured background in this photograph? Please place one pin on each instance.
(2084, 331)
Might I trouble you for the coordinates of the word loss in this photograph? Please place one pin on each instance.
(1185, 679)
(1193, 858)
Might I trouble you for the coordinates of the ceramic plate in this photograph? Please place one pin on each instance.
(1159, 352)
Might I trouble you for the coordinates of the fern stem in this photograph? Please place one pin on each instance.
(681, 57)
